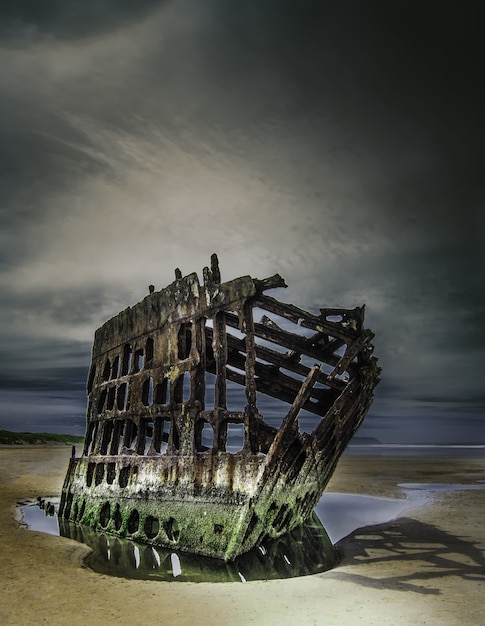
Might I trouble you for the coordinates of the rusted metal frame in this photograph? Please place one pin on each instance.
(175, 437)
(94, 438)
(265, 387)
(339, 405)
(251, 438)
(199, 375)
(107, 428)
(290, 421)
(98, 438)
(351, 352)
(306, 473)
(297, 343)
(288, 429)
(165, 437)
(185, 327)
(290, 425)
(287, 387)
(308, 320)
(115, 436)
(88, 437)
(216, 274)
(313, 472)
(330, 346)
(333, 329)
(247, 327)
(219, 348)
(336, 311)
(270, 375)
(354, 317)
(278, 360)
(234, 417)
(271, 282)
(339, 414)
(327, 350)
(207, 278)
(288, 397)
(128, 433)
(288, 311)
(73, 462)
(156, 410)
(273, 376)
(330, 447)
(141, 437)
(157, 435)
(176, 391)
(235, 377)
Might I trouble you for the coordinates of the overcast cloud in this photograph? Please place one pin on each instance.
(341, 146)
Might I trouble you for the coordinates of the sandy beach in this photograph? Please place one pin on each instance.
(426, 567)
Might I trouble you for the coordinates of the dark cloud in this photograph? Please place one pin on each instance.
(337, 143)
(47, 379)
(67, 19)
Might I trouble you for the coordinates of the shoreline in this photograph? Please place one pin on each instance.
(426, 567)
(35, 446)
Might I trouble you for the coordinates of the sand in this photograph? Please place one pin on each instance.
(427, 567)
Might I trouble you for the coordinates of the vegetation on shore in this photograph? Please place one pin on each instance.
(8, 437)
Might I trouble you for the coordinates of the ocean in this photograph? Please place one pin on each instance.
(412, 449)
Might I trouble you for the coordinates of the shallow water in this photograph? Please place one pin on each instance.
(307, 550)
(342, 513)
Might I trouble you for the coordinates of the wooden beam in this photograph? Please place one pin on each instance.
(352, 351)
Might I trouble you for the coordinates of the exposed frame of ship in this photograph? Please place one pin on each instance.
(157, 464)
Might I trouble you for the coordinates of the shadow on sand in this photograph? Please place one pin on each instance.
(418, 553)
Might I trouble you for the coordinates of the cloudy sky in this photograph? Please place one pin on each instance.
(337, 143)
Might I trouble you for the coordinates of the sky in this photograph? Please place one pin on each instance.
(339, 144)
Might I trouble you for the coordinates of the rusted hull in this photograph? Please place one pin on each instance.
(157, 464)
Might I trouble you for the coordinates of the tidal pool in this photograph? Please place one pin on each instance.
(306, 550)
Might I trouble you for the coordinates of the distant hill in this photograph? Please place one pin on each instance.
(10, 438)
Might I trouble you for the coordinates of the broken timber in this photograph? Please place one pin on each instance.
(157, 464)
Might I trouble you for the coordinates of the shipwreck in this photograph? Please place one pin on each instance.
(169, 461)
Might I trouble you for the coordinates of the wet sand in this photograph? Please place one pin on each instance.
(427, 567)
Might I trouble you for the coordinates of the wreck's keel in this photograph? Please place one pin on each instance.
(157, 465)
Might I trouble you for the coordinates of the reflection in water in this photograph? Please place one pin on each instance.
(306, 550)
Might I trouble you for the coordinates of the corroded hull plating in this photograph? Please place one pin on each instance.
(158, 465)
